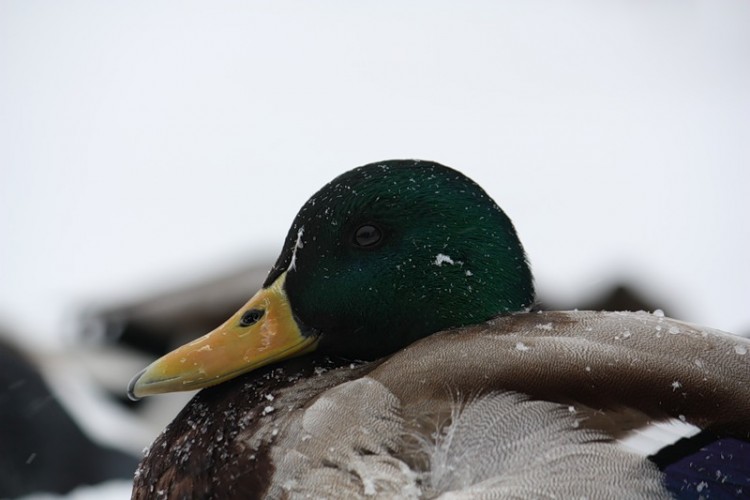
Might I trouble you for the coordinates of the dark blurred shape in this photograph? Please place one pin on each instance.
(619, 297)
(41, 448)
(158, 323)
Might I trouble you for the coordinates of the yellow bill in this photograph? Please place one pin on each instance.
(263, 331)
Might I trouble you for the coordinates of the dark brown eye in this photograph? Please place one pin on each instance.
(367, 236)
(251, 317)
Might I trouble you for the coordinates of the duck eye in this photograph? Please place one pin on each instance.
(251, 317)
(367, 235)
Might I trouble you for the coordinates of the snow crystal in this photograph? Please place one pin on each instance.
(740, 349)
(546, 326)
(268, 409)
(297, 245)
(369, 485)
(469, 273)
(658, 313)
(441, 259)
(269, 397)
(674, 330)
(520, 346)
(676, 385)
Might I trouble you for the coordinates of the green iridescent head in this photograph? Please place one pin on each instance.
(393, 251)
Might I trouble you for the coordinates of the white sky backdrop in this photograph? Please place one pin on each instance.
(145, 142)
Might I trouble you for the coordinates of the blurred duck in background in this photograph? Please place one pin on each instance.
(42, 449)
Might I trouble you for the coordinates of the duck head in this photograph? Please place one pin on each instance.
(381, 256)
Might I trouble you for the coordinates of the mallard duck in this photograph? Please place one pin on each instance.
(393, 351)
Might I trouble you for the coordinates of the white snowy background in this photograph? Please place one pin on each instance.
(144, 144)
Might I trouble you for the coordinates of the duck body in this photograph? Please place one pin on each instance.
(570, 384)
(458, 391)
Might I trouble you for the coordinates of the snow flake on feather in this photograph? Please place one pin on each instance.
(297, 245)
(441, 259)
(520, 346)
(268, 409)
